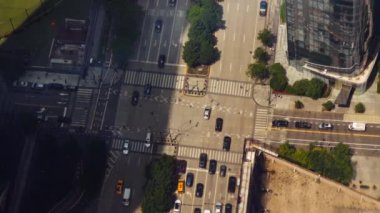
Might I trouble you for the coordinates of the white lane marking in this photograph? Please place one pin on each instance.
(228, 7)
(224, 35)
(171, 33)
(220, 66)
(230, 67)
(247, 8)
(237, 7)
(244, 38)
(138, 50)
(234, 36)
(150, 44)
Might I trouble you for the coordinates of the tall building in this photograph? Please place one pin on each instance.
(329, 36)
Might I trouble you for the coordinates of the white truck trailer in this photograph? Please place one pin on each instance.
(357, 126)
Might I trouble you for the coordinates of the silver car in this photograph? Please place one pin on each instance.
(207, 113)
(218, 207)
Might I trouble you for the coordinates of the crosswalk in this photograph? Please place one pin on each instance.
(81, 107)
(134, 145)
(158, 80)
(261, 124)
(232, 88)
(219, 155)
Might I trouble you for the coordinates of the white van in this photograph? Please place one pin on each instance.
(147, 139)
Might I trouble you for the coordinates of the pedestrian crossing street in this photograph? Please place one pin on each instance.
(134, 145)
(219, 155)
(81, 107)
(232, 88)
(172, 81)
(262, 119)
(158, 80)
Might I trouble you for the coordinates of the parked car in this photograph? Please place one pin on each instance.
(177, 206)
(223, 170)
(280, 123)
(219, 124)
(135, 98)
(231, 184)
(227, 143)
(197, 210)
(38, 86)
(126, 148)
(213, 166)
(189, 179)
(199, 190)
(181, 166)
(228, 208)
(119, 187)
(161, 61)
(218, 207)
(203, 160)
(23, 84)
(325, 126)
(55, 86)
(158, 26)
(147, 89)
(172, 3)
(303, 125)
(207, 113)
(263, 7)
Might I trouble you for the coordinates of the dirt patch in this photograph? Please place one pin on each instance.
(289, 188)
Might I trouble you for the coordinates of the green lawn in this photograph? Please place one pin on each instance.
(15, 10)
(36, 38)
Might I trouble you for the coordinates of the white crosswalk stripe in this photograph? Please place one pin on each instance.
(158, 80)
(262, 119)
(81, 107)
(134, 145)
(232, 88)
(219, 155)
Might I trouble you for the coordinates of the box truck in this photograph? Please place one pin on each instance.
(357, 126)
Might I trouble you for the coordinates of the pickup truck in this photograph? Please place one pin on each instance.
(126, 196)
(357, 126)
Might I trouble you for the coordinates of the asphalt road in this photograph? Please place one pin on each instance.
(368, 140)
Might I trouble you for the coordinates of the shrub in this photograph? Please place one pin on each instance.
(359, 108)
(328, 106)
(298, 104)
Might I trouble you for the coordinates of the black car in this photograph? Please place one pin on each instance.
(161, 61)
(280, 123)
(189, 179)
(158, 26)
(181, 167)
(55, 86)
(197, 210)
(226, 143)
(219, 124)
(172, 3)
(212, 168)
(303, 125)
(231, 184)
(147, 89)
(228, 208)
(199, 190)
(263, 8)
(135, 98)
(223, 170)
(203, 160)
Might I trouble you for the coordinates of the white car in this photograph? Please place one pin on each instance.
(218, 207)
(177, 206)
(126, 148)
(325, 126)
(207, 113)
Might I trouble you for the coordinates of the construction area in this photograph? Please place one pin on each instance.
(288, 188)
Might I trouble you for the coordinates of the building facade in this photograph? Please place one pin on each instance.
(330, 36)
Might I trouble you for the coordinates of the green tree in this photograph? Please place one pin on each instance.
(315, 88)
(279, 81)
(160, 186)
(277, 69)
(261, 55)
(287, 150)
(300, 87)
(359, 108)
(298, 104)
(328, 105)
(191, 53)
(208, 53)
(265, 36)
(258, 71)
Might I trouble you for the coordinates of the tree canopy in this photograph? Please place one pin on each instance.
(258, 71)
(333, 163)
(160, 187)
(279, 81)
(265, 36)
(313, 88)
(205, 17)
(261, 55)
